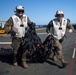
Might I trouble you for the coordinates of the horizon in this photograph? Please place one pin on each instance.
(3, 23)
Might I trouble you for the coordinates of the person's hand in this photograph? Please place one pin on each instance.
(70, 30)
(48, 34)
(12, 32)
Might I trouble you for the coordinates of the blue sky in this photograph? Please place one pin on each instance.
(39, 11)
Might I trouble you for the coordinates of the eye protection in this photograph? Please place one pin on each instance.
(59, 15)
(19, 11)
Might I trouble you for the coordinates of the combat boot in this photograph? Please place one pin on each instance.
(24, 65)
(15, 64)
(64, 63)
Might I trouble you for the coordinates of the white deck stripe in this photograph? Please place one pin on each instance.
(5, 42)
(41, 33)
(73, 56)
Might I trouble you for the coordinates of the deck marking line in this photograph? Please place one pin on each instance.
(5, 42)
(72, 61)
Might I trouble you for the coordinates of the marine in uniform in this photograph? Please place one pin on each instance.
(57, 27)
(17, 26)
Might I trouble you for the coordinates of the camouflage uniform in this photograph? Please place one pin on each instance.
(58, 43)
(16, 42)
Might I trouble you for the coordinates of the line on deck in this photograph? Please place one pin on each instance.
(72, 61)
(5, 42)
(41, 33)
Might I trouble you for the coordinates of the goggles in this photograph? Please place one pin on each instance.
(19, 11)
(59, 15)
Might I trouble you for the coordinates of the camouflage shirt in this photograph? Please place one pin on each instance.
(50, 25)
(9, 24)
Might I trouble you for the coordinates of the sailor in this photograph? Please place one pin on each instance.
(59, 25)
(17, 26)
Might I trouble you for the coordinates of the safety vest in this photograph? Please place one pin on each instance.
(59, 30)
(19, 26)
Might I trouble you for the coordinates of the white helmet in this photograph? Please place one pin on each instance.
(59, 13)
(19, 7)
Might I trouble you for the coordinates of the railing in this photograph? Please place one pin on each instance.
(2, 24)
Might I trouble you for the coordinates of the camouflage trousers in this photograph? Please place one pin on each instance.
(58, 51)
(18, 53)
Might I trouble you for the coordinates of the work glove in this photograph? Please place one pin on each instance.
(12, 32)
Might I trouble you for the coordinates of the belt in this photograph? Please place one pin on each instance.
(21, 38)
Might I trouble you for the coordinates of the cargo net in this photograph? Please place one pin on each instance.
(37, 51)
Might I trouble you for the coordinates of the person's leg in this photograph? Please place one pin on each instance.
(59, 53)
(24, 63)
(57, 49)
(15, 45)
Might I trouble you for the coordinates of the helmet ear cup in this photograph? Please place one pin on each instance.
(63, 15)
(15, 10)
(55, 15)
(16, 7)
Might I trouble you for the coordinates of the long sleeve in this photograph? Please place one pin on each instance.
(8, 25)
(69, 26)
(28, 21)
(49, 26)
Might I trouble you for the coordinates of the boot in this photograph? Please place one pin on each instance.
(64, 63)
(54, 58)
(15, 64)
(24, 64)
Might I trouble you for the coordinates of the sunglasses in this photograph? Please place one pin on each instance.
(19, 11)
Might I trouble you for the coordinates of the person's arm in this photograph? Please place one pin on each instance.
(70, 27)
(28, 21)
(8, 25)
(48, 27)
(30, 24)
